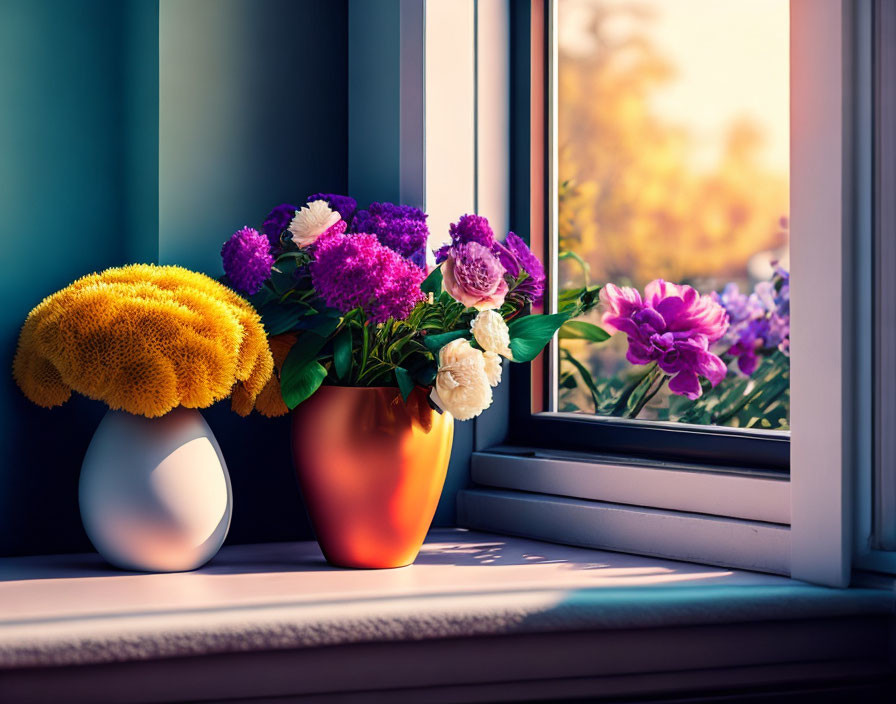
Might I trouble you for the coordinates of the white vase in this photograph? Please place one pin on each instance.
(154, 492)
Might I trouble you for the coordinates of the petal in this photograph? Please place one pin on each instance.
(638, 353)
(711, 367)
(657, 290)
(670, 308)
(628, 326)
(747, 362)
(686, 384)
(650, 317)
(620, 301)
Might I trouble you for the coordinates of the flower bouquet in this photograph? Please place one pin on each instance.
(378, 343)
(154, 343)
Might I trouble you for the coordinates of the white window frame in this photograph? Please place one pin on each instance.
(460, 147)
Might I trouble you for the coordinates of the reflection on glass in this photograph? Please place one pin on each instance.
(674, 166)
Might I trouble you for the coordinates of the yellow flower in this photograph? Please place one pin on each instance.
(143, 339)
(270, 401)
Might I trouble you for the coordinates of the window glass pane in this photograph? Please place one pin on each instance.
(673, 150)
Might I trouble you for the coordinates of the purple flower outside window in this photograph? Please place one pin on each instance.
(673, 326)
(760, 321)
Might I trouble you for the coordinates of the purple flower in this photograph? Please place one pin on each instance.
(468, 228)
(277, 221)
(474, 276)
(401, 228)
(247, 259)
(356, 271)
(759, 322)
(344, 205)
(472, 228)
(516, 257)
(673, 326)
(739, 306)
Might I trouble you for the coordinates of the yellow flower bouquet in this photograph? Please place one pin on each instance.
(143, 339)
(154, 343)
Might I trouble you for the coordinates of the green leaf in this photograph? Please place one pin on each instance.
(586, 377)
(577, 301)
(426, 374)
(299, 382)
(282, 276)
(342, 353)
(297, 256)
(580, 330)
(405, 383)
(436, 342)
(530, 334)
(322, 325)
(278, 319)
(433, 283)
(306, 349)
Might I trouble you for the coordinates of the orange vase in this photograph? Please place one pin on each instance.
(371, 468)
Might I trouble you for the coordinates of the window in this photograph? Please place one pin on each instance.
(631, 485)
(662, 164)
(673, 160)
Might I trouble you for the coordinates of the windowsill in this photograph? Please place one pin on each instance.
(479, 610)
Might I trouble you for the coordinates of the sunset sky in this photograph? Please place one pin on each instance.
(732, 60)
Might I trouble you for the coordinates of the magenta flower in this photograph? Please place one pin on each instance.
(356, 271)
(474, 276)
(247, 260)
(673, 326)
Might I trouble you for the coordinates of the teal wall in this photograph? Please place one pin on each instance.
(65, 201)
(133, 130)
(253, 110)
(150, 130)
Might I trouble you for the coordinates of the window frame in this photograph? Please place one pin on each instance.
(830, 394)
(875, 503)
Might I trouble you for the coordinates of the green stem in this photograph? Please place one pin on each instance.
(649, 396)
(586, 268)
(619, 407)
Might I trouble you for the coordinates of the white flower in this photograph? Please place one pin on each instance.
(311, 222)
(491, 333)
(462, 385)
(492, 368)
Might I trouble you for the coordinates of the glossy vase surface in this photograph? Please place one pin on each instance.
(154, 493)
(371, 467)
